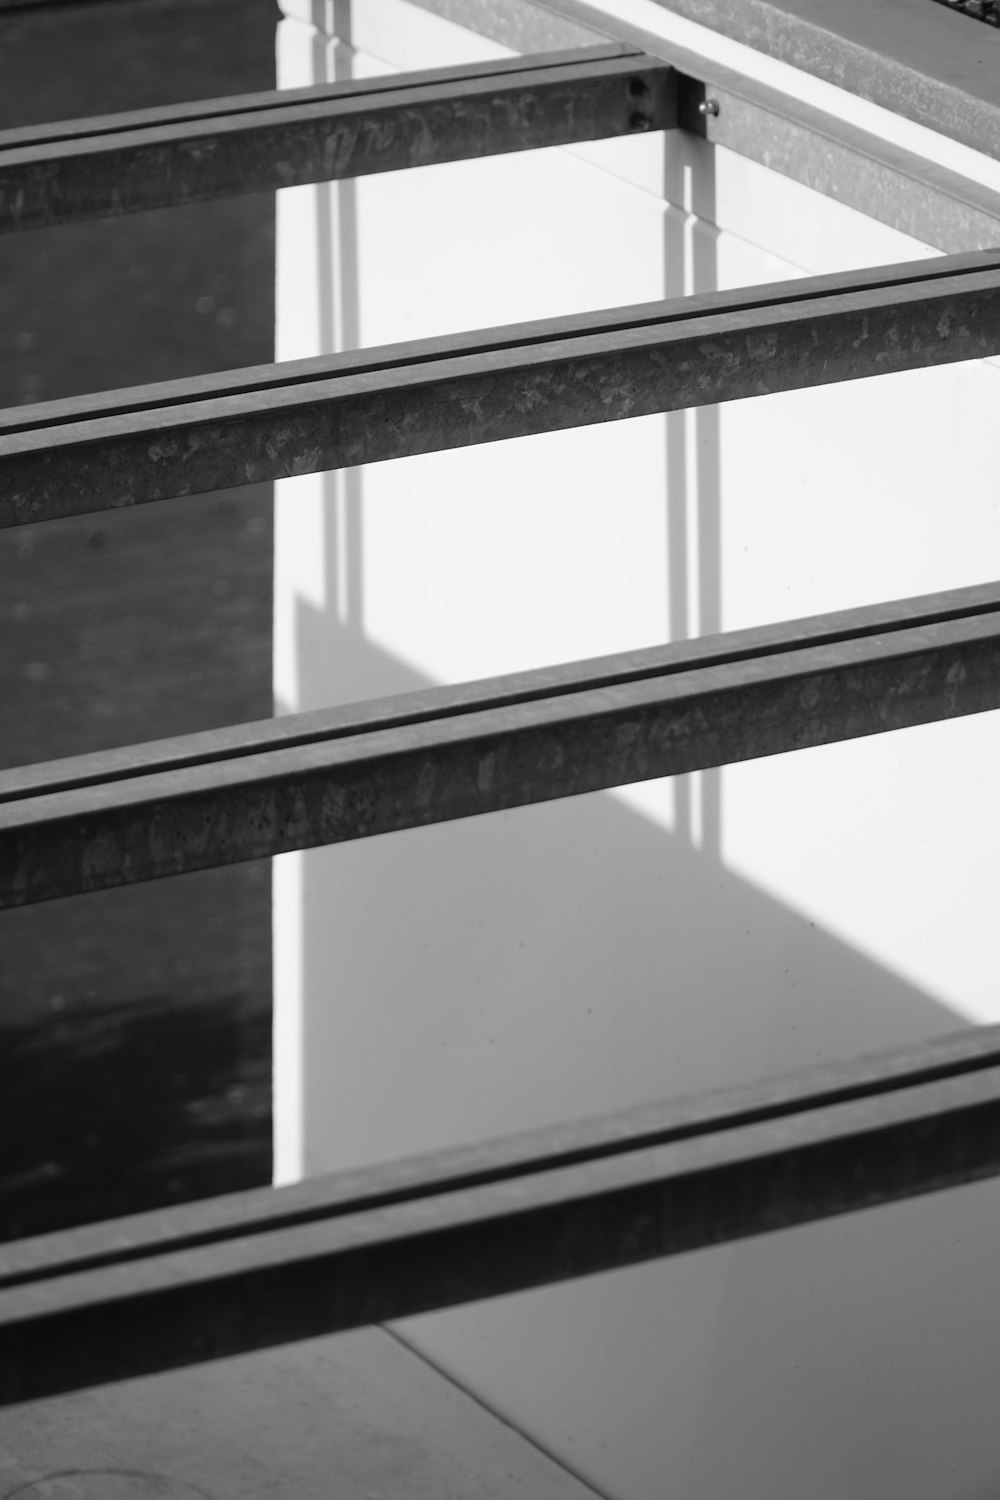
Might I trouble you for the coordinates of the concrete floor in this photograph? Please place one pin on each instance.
(356, 1416)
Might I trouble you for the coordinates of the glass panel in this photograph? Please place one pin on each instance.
(135, 1049)
(134, 1024)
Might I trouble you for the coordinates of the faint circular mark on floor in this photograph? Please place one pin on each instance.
(106, 1484)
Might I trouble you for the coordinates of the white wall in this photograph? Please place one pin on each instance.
(460, 981)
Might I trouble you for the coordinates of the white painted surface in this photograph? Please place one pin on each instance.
(460, 981)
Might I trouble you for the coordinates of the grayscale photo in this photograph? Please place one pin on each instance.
(499, 688)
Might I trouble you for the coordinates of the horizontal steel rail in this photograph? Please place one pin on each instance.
(182, 1286)
(156, 158)
(919, 66)
(251, 791)
(812, 146)
(117, 163)
(849, 165)
(192, 436)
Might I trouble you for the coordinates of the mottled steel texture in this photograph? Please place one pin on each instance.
(500, 384)
(980, 10)
(158, 158)
(381, 1248)
(674, 710)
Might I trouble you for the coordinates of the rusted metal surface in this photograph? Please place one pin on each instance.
(395, 764)
(136, 1296)
(186, 154)
(498, 384)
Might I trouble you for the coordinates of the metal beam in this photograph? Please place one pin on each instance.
(251, 791)
(841, 161)
(187, 437)
(246, 1272)
(812, 146)
(912, 58)
(182, 1286)
(187, 153)
(184, 1226)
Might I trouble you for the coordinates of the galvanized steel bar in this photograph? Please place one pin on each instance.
(184, 1226)
(920, 65)
(150, 444)
(189, 804)
(189, 153)
(437, 1231)
(814, 146)
(250, 1271)
(886, 183)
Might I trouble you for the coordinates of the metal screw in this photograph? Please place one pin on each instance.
(639, 122)
(708, 107)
